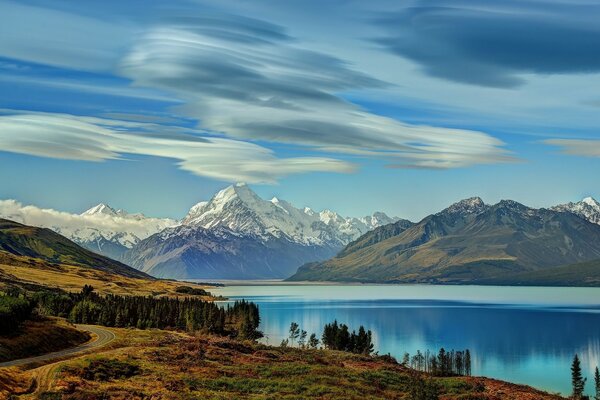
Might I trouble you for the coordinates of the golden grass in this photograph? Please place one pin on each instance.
(40, 337)
(72, 278)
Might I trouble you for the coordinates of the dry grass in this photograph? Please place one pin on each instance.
(177, 366)
(32, 271)
(40, 337)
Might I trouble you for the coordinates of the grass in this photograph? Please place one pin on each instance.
(28, 271)
(163, 365)
(39, 337)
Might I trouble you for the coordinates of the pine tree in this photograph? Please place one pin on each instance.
(577, 381)
(467, 363)
(302, 339)
(294, 332)
(313, 342)
(597, 384)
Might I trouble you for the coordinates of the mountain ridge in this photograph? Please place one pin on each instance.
(464, 243)
(238, 235)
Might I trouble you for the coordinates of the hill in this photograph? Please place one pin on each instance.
(37, 258)
(580, 274)
(468, 242)
(47, 245)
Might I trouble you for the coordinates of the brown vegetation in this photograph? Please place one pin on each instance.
(161, 365)
(40, 336)
(30, 272)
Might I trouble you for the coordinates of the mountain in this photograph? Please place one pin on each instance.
(101, 229)
(468, 242)
(238, 235)
(580, 274)
(47, 245)
(588, 209)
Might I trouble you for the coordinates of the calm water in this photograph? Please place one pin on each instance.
(524, 335)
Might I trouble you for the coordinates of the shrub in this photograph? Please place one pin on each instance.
(105, 370)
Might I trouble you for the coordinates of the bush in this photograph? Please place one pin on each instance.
(105, 370)
(191, 291)
(13, 311)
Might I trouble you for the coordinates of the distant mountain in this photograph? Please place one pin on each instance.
(101, 229)
(580, 274)
(47, 245)
(465, 243)
(238, 235)
(588, 209)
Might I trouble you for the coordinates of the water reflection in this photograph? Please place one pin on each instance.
(531, 343)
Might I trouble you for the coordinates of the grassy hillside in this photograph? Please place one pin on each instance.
(48, 245)
(160, 365)
(581, 274)
(33, 274)
(40, 336)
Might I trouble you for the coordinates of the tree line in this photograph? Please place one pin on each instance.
(335, 337)
(444, 363)
(240, 319)
(14, 310)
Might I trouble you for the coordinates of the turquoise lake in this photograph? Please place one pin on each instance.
(520, 334)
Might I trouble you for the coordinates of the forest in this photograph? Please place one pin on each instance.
(240, 319)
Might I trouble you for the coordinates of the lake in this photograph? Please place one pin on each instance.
(520, 334)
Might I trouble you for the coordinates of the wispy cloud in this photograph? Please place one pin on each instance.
(495, 43)
(577, 147)
(96, 139)
(76, 225)
(248, 80)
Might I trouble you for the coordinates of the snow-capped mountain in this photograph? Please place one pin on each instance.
(238, 235)
(242, 211)
(101, 229)
(588, 209)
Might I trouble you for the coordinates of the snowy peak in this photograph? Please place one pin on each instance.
(472, 205)
(93, 228)
(588, 209)
(590, 201)
(240, 210)
(101, 209)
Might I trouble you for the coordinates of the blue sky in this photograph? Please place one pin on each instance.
(348, 105)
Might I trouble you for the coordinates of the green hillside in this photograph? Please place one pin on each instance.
(47, 245)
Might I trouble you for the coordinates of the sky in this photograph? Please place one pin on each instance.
(401, 107)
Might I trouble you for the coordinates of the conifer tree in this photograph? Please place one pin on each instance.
(597, 384)
(577, 380)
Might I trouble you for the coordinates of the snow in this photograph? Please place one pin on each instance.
(100, 221)
(588, 209)
(238, 209)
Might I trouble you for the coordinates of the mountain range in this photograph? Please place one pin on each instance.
(238, 235)
(469, 242)
(234, 235)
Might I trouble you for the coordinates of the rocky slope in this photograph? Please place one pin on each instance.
(467, 242)
(238, 235)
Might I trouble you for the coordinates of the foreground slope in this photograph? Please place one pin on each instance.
(47, 245)
(466, 243)
(160, 365)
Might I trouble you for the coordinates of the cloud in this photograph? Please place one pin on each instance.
(494, 43)
(577, 147)
(59, 38)
(97, 139)
(248, 80)
(83, 226)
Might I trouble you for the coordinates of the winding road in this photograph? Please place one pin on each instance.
(102, 337)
